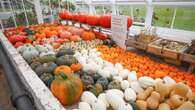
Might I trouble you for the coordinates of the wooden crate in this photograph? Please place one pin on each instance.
(133, 43)
(187, 58)
(170, 54)
(154, 50)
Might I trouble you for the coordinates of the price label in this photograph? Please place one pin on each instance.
(119, 30)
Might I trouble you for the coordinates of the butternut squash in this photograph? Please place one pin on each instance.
(187, 106)
(142, 105)
(180, 89)
(144, 95)
(164, 106)
(163, 89)
(153, 100)
(175, 101)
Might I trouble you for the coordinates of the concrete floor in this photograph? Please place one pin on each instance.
(5, 103)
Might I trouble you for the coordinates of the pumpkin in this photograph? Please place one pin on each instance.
(92, 20)
(98, 105)
(88, 35)
(141, 105)
(67, 88)
(75, 38)
(114, 100)
(17, 38)
(88, 97)
(35, 64)
(76, 31)
(65, 51)
(105, 21)
(84, 106)
(62, 69)
(103, 81)
(153, 100)
(144, 95)
(76, 67)
(87, 80)
(102, 97)
(64, 34)
(47, 58)
(96, 89)
(130, 94)
(114, 85)
(18, 44)
(101, 36)
(66, 60)
(30, 53)
(146, 81)
(47, 78)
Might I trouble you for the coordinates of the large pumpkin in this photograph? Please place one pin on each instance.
(93, 20)
(67, 88)
(105, 21)
(63, 69)
(88, 35)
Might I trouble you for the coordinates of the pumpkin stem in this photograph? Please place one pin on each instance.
(64, 76)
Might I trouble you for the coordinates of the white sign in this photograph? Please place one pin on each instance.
(119, 30)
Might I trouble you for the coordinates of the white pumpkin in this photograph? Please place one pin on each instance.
(88, 97)
(102, 97)
(169, 80)
(136, 87)
(114, 100)
(117, 78)
(130, 94)
(132, 77)
(98, 105)
(124, 73)
(84, 106)
(146, 81)
(118, 66)
(27, 54)
(125, 107)
(117, 92)
(104, 73)
(125, 84)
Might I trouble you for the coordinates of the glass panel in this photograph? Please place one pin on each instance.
(103, 9)
(139, 14)
(82, 8)
(30, 11)
(124, 10)
(162, 16)
(185, 19)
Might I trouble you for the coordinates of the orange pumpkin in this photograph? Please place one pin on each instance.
(76, 67)
(67, 88)
(87, 35)
(63, 69)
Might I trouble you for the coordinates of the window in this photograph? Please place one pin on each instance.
(185, 19)
(162, 16)
(125, 10)
(139, 14)
(103, 9)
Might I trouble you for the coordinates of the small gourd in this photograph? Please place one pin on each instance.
(153, 100)
(95, 89)
(88, 97)
(96, 76)
(76, 67)
(47, 78)
(103, 81)
(125, 84)
(124, 73)
(125, 107)
(144, 95)
(114, 100)
(175, 101)
(98, 105)
(164, 106)
(141, 105)
(169, 80)
(84, 106)
(65, 51)
(35, 64)
(132, 77)
(49, 67)
(28, 54)
(117, 92)
(66, 60)
(146, 81)
(39, 70)
(102, 97)
(117, 78)
(114, 85)
(62, 69)
(130, 94)
(136, 87)
(163, 89)
(47, 58)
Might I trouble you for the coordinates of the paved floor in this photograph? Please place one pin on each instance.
(5, 103)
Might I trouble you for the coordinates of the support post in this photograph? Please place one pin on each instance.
(149, 13)
(38, 11)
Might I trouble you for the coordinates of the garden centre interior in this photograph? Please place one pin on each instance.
(97, 54)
